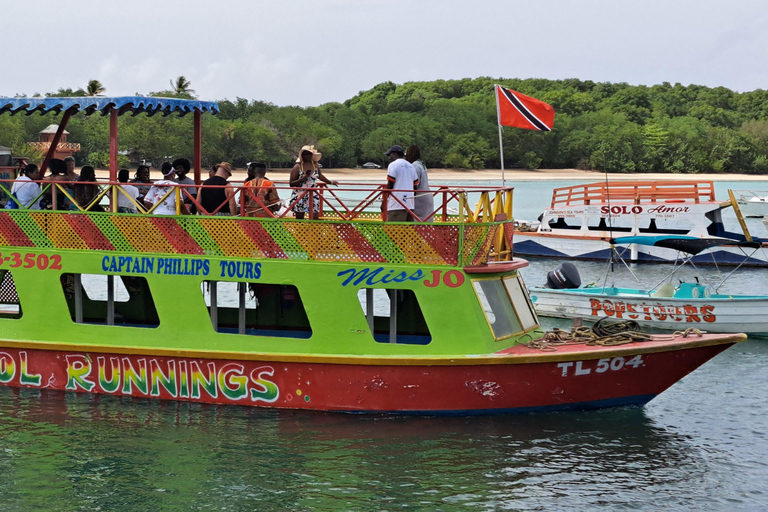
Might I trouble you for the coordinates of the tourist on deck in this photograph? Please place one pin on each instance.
(261, 194)
(402, 180)
(142, 176)
(163, 194)
(424, 202)
(85, 190)
(305, 174)
(182, 167)
(24, 190)
(217, 196)
(71, 174)
(128, 195)
(58, 176)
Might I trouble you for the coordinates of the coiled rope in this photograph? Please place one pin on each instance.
(606, 332)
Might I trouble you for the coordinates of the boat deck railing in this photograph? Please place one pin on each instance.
(349, 229)
(634, 192)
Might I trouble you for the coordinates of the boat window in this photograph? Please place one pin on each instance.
(256, 309)
(498, 307)
(10, 307)
(394, 316)
(521, 301)
(110, 300)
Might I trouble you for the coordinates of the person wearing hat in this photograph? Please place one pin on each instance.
(157, 194)
(216, 196)
(305, 175)
(402, 180)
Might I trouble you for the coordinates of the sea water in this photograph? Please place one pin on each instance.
(701, 445)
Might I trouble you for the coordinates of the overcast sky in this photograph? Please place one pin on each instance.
(301, 52)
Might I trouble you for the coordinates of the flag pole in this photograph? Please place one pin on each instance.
(501, 143)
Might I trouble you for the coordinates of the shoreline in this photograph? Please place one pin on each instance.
(512, 175)
(538, 175)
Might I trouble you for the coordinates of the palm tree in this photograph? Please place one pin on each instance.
(94, 88)
(181, 86)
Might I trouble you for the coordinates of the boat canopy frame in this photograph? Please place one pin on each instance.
(114, 107)
(689, 245)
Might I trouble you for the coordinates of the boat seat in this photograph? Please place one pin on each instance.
(666, 290)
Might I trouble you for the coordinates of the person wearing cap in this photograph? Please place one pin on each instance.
(217, 197)
(402, 180)
(305, 175)
(167, 204)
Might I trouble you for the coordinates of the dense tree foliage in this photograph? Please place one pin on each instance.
(604, 126)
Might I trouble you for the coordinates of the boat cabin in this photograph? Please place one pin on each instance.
(636, 208)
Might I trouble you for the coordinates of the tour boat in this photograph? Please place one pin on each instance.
(347, 313)
(673, 304)
(752, 203)
(582, 219)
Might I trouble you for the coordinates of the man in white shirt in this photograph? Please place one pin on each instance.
(25, 190)
(168, 205)
(402, 181)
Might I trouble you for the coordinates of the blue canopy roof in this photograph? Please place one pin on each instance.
(133, 104)
(689, 244)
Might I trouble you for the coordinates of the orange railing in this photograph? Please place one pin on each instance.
(351, 201)
(635, 192)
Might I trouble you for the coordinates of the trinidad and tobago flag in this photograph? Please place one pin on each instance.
(521, 111)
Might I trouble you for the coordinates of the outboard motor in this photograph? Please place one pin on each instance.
(564, 276)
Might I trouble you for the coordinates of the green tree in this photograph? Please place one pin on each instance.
(182, 87)
(94, 88)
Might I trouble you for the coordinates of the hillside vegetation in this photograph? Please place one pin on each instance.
(614, 127)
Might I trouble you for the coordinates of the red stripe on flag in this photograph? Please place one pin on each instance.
(262, 239)
(88, 231)
(12, 233)
(358, 243)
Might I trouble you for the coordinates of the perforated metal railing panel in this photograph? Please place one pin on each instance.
(450, 244)
(8, 293)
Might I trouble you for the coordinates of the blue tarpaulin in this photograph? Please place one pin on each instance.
(124, 104)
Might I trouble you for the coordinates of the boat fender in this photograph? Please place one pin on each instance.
(564, 276)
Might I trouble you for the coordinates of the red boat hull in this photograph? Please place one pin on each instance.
(516, 380)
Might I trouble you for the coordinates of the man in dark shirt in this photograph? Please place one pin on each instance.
(217, 197)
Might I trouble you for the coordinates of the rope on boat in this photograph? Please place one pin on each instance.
(606, 332)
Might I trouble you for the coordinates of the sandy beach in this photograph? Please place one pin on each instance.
(511, 175)
(533, 175)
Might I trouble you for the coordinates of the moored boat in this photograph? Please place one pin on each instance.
(752, 203)
(582, 219)
(673, 304)
(346, 313)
